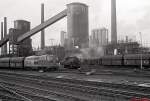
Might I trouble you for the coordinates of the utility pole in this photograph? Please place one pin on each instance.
(141, 51)
(52, 42)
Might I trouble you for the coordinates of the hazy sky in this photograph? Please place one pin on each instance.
(133, 16)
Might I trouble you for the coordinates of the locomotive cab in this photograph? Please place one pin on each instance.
(71, 62)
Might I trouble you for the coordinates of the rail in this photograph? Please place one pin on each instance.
(84, 87)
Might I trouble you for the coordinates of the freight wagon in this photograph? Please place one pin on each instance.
(130, 60)
(44, 62)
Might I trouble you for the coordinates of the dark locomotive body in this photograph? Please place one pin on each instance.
(71, 62)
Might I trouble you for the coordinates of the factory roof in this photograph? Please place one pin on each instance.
(77, 3)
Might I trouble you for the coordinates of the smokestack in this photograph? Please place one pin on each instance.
(42, 31)
(113, 22)
(5, 34)
(2, 32)
(127, 39)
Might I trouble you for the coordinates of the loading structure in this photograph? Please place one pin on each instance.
(77, 26)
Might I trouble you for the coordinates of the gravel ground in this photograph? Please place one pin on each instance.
(98, 78)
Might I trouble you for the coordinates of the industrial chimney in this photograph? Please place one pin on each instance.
(113, 22)
(2, 32)
(5, 34)
(42, 31)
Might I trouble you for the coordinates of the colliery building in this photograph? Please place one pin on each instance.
(63, 38)
(125, 48)
(77, 25)
(19, 49)
(99, 37)
(58, 51)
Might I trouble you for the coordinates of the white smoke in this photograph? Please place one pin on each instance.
(92, 53)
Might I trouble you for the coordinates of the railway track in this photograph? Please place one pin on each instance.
(109, 71)
(70, 90)
(7, 95)
(36, 94)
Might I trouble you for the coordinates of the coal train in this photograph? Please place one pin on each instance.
(44, 62)
(130, 60)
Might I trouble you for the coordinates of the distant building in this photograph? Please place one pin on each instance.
(123, 48)
(63, 38)
(77, 25)
(126, 39)
(99, 37)
(23, 48)
(58, 51)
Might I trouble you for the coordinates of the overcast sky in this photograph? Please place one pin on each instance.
(133, 16)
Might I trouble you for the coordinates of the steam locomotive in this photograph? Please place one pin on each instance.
(71, 62)
(46, 62)
(43, 62)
